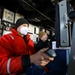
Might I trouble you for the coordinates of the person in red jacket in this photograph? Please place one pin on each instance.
(17, 51)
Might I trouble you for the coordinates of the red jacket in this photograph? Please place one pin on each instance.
(12, 48)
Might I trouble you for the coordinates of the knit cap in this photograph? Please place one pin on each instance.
(21, 21)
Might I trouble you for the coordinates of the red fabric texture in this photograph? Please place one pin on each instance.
(13, 46)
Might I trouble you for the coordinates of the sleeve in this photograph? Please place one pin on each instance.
(12, 65)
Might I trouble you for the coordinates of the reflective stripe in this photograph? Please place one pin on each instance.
(8, 66)
(11, 37)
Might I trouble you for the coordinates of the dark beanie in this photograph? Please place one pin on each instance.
(21, 21)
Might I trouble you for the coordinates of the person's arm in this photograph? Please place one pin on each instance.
(41, 58)
(12, 64)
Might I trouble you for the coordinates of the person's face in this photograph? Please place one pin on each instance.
(44, 37)
(23, 29)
